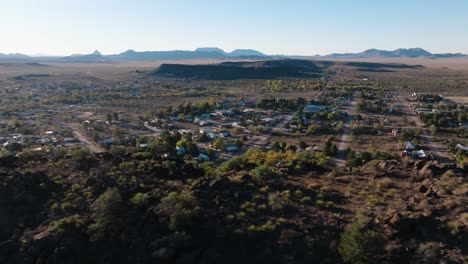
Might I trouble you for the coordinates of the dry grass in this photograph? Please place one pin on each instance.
(459, 99)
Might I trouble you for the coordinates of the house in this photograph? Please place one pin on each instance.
(107, 141)
(49, 133)
(43, 141)
(425, 110)
(236, 124)
(461, 147)
(212, 135)
(409, 145)
(415, 154)
(201, 149)
(268, 120)
(314, 108)
(204, 123)
(185, 131)
(232, 148)
(204, 157)
(224, 134)
(180, 151)
(205, 131)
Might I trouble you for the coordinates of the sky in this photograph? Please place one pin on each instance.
(292, 27)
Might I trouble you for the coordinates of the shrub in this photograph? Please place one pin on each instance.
(29, 155)
(264, 172)
(140, 199)
(306, 200)
(67, 207)
(276, 201)
(234, 163)
(80, 153)
(298, 193)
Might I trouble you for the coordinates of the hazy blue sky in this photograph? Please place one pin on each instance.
(275, 27)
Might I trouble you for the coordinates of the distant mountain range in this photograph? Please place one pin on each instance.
(217, 53)
(13, 56)
(399, 53)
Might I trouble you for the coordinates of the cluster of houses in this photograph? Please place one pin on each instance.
(410, 151)
(16, 141)
(462, 148)
(426, 98)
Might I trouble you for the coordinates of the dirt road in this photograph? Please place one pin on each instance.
(93, 146)
(438, 150)
(345, 141)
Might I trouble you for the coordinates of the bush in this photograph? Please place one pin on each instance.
(361, 245)
(29, 155)
(140, 199)
(67, 207)
(234, 163)
(108, 213)
(79, 153)
(306, 200)
(264, 172)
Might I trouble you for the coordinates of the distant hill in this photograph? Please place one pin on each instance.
(399, 53)
(246, 52)
(209, 49)
(95, 57)
(13, 56)
(166, 55)
(200, 53)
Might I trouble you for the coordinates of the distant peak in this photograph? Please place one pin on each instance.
(246, 52)
(96, 52)
(210, 49)
(128, 51)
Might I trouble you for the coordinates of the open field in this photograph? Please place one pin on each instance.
(459, 99)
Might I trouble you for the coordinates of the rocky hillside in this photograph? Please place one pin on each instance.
(130, 206)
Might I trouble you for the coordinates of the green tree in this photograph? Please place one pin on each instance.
(327, 148)
(220, 144)
(361, 245)
(264, 172)
(108, 213)
(182, 208)
(95, 136)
